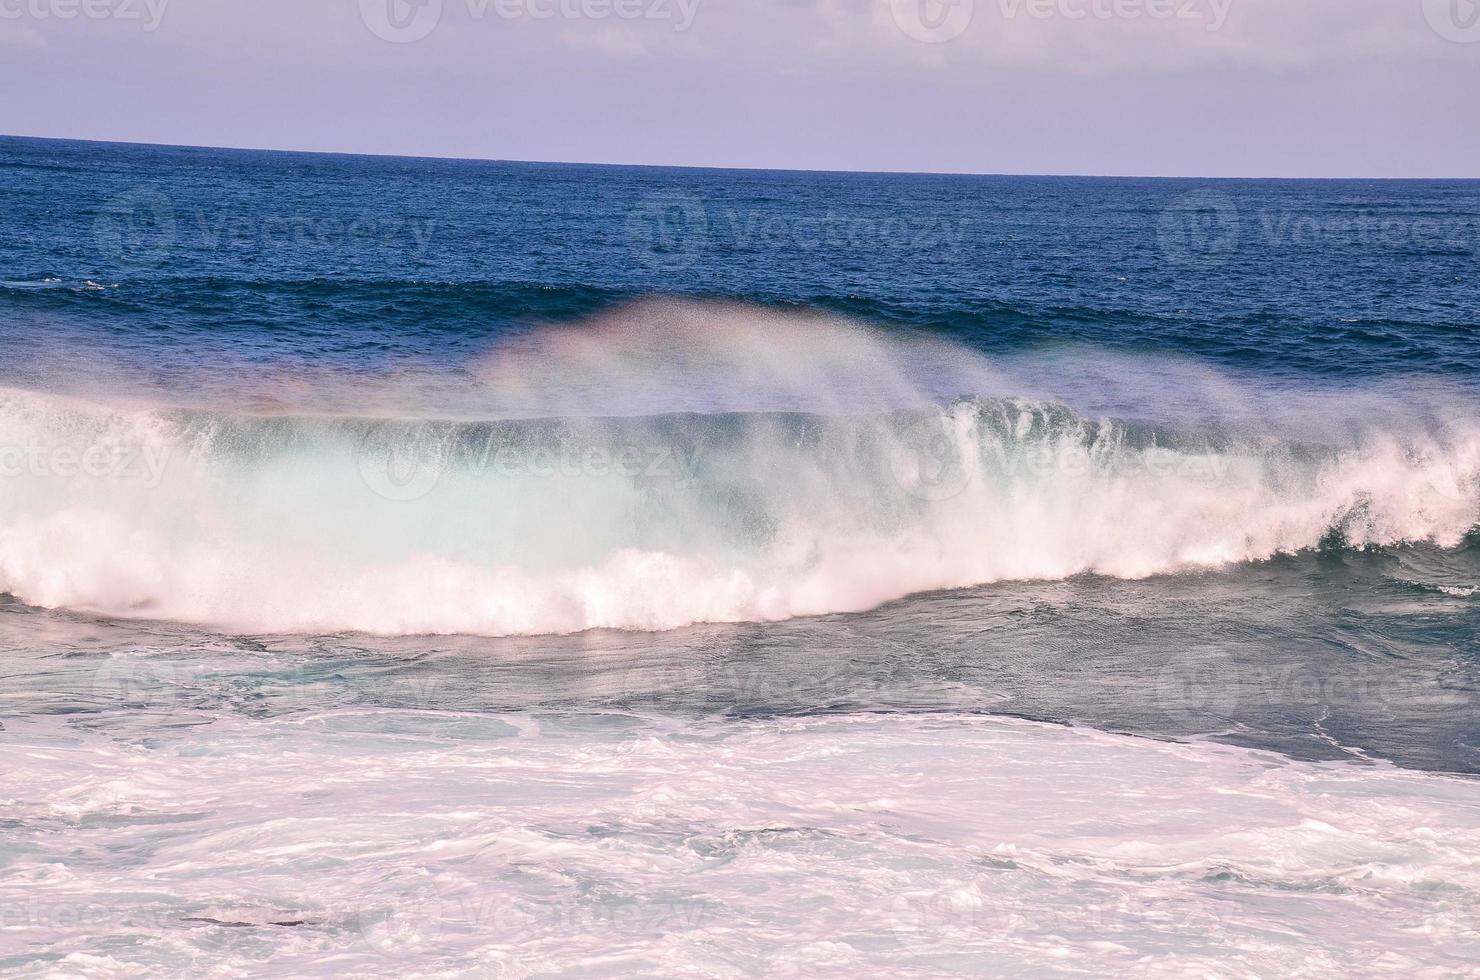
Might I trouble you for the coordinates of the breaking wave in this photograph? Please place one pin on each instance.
(672, 464)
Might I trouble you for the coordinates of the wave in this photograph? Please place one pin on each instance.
(845, 483)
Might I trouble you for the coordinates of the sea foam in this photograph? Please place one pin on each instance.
(679, 463)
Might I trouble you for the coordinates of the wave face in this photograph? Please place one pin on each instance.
(849, 481)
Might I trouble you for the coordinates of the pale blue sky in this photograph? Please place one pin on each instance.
(1190, 87)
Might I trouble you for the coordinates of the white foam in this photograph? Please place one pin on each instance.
(426, 844)
(304, 523)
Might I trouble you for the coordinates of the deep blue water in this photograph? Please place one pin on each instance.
(356, 260)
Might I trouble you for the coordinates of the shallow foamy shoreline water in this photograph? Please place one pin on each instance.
(427, 843)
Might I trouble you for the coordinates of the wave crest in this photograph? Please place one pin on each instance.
(305, 523)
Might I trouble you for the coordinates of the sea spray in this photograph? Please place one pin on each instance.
(678, 463)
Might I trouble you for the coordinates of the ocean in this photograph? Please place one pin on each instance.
(429, 567)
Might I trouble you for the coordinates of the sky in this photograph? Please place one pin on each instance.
(1336, 88)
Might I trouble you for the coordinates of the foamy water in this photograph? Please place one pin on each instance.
(850, 480)
(375, 842)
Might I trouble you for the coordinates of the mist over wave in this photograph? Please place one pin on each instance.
(671, 463)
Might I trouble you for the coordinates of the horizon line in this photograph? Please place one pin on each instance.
(684, 166)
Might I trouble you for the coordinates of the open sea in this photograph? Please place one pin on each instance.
(435, 568)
